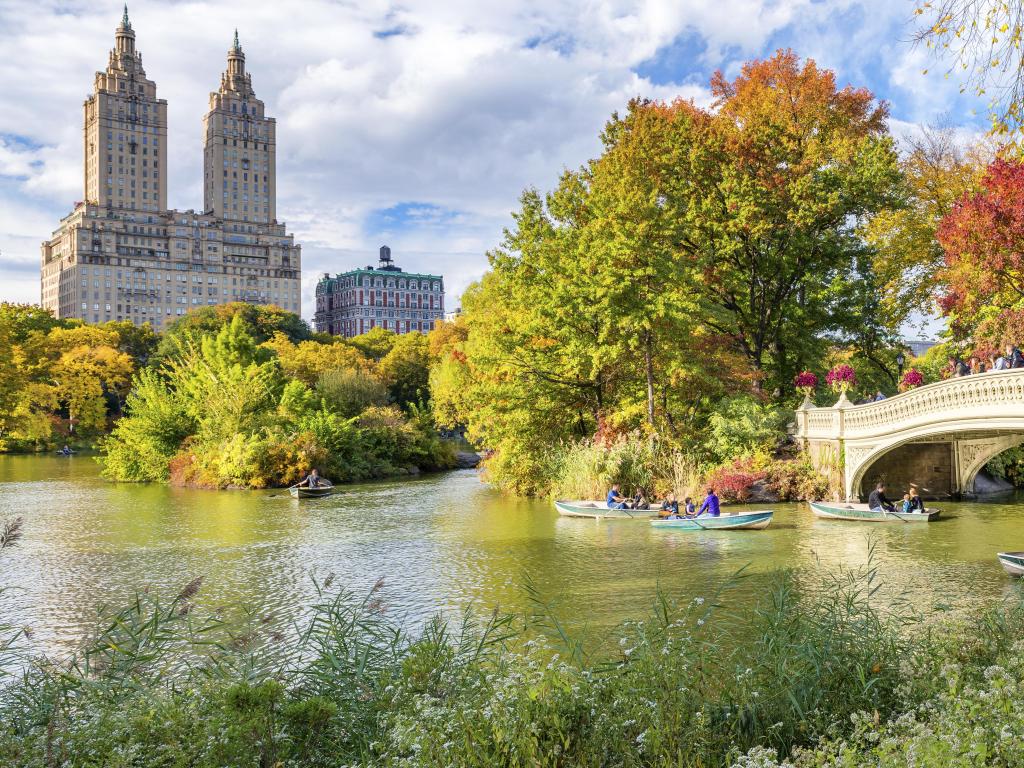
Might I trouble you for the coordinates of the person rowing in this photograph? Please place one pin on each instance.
(878, 501)
(710, 504)
(313, 480)
(615, 500)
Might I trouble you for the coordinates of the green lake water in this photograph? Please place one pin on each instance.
(441, 543)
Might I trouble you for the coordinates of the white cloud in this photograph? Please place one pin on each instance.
(455, 105)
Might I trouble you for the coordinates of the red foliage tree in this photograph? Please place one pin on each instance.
(983, 277)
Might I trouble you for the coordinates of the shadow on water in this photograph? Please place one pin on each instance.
(441, 543)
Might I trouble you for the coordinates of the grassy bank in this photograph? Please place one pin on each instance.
(815, 672)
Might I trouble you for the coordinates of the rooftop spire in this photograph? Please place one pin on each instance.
(124, 19)
(236, 46)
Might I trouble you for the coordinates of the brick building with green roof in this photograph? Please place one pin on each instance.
(351, 303)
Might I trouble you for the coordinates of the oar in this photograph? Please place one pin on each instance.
(279, 495)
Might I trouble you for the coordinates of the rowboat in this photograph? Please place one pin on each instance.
(1012, 562)
(735, 521)
(862, 513)
(305, 492)
(598, 509)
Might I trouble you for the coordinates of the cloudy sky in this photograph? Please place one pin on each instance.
(413, 123)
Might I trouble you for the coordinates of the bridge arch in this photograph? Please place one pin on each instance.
(959, 425)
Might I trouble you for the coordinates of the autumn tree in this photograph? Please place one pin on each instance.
(937, 170)
(769, 190)
(982, 281)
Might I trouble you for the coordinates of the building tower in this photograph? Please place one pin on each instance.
(121, 254)
(239, 149)
(125, 139)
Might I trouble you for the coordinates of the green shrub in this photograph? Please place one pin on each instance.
(743, 425)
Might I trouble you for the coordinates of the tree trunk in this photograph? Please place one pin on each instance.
(649, 369)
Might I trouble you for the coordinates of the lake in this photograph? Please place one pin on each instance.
(441, 543)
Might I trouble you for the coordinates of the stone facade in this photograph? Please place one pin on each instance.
(122, 255)
(353, 302)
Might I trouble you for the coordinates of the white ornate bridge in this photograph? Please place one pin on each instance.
(939, 435)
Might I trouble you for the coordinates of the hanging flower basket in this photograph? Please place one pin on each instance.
(805, 382)
(912, 379)
(841, 379)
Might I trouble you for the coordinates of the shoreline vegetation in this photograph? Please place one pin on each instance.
(814, 676)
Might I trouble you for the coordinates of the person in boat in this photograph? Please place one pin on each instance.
(689, 508)
(879, 396)
(669, 507)
(877, 499)
(614, 500)
(1015, 358)
(65, 451)
(905, 505)
(710, 504)
(312, 480)
(639, 500)
(916, 503)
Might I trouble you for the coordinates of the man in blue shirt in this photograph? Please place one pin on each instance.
(710, 504)
(615, 501)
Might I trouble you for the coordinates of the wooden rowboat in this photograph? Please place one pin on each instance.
(305, 492)
(862, 513)
(735, 521)
(1012, 562)
(598, 509)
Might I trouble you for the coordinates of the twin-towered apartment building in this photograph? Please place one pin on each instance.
(121, 254)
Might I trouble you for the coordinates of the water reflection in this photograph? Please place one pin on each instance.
(441, 543)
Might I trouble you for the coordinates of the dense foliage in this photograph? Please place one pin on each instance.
(226, 411)
(706, 255)
(816, 674)
(62, 381)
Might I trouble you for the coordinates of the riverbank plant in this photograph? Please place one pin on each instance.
(815, 673)
(225, 411)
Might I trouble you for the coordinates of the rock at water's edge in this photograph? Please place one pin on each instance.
(467, 460)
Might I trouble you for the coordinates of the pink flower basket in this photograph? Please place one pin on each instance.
(805, 382)
(912, 379)
(841, 378)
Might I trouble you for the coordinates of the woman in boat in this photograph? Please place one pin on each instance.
(905, 505)
(689, 509)
(669, 507)
(916, 504)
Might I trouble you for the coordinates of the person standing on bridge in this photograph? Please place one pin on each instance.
(957, 367)
(877, 499)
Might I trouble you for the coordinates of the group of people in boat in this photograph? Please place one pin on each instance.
(911, 502)
(669, 508)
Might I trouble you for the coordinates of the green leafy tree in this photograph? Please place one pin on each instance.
(406, 369)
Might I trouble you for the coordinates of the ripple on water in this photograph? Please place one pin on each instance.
(441, 543)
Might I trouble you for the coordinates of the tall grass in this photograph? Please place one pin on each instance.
(161, 682)
(584, 470)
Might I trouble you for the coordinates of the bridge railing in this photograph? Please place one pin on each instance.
(967, 396)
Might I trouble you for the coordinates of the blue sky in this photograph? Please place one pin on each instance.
(415, 124)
